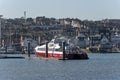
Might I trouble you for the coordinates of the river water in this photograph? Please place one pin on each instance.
(98, 67)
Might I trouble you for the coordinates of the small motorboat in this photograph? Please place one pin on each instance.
(3, 53)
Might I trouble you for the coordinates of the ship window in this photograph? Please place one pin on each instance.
(41, 49)
(38, 49)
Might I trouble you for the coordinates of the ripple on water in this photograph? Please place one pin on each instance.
(98, 67)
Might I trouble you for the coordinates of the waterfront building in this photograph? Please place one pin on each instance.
(104, 40)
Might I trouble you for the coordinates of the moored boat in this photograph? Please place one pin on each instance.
(55, 50)
(3, 53)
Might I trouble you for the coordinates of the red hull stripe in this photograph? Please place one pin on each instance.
(50, 55)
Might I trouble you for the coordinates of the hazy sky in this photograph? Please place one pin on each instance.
(82, 9)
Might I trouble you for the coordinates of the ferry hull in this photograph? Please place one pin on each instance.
(60, 56)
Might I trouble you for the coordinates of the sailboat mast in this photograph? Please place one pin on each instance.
(0, 30)
(10, 35)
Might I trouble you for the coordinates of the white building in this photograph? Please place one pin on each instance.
(75, 23)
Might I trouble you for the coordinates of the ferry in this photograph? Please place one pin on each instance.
(55, 50)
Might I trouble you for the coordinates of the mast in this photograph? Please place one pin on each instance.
(39, 40)
(0, 30)
(10, 45)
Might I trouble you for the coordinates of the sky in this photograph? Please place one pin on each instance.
(82, 9)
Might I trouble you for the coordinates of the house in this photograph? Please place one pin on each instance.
(33, 44)
(104, 40)
(83, 40)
